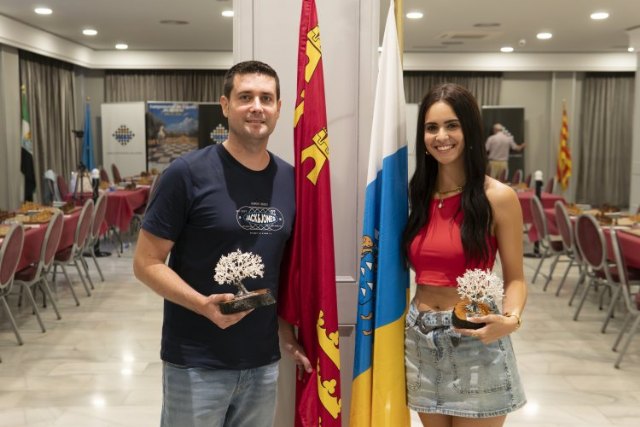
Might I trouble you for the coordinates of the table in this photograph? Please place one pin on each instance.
(548, 201)
(121, 205)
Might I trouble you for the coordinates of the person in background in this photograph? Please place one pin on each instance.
(222, 370)
(498, 146)
(459, 219)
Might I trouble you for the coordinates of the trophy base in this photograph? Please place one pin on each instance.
(460, 314)
(255, 299)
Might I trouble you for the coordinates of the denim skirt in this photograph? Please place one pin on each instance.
(451, 374)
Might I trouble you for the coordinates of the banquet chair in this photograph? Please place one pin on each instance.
(138, 214)
(517, 177)
(593, 249)
(565, 227)
(527, 180)
(548, 187)
(36, 274)
(50, 192)
(94, 235)
(10, 253)
(631, 300)
(63, 188)
(115, 172)
(549, 245)
(503, 176)
(73, 254)
(104, 176)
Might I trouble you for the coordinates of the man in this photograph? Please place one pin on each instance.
(221, 370)
(497, 147)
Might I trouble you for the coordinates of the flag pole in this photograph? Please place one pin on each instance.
(398, 7)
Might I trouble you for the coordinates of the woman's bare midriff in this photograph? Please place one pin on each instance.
(436, 298)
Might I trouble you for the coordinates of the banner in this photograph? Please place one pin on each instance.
(87, 141)
(378, 396)
(123, 137)
(307, 297)
(563, 169)
(172, 130)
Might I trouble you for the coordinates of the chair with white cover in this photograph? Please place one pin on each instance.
(36, 274)
(72, 255)
(10, 252)
(548, 245)
(94, 236)
(631, 300)
(593, 249)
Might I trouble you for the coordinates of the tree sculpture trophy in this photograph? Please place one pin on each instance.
(234, 267)
(479, 291)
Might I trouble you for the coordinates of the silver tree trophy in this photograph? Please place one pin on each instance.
(234, 267)
(479, 291)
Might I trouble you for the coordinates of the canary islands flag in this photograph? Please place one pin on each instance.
(378, 391)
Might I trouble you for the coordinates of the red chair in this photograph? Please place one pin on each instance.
(548, 245)
(503, 176)
(10, 252)
(73, 254)
(517, 177)
(565, 227)
(63, 188)
(548, 187)
(631, 300)
(104, 176)
(115, 172)
(35, 274)
(96, 222)
(593, 248)
(527, 180)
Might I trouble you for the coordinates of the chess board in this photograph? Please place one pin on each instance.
(159, 156)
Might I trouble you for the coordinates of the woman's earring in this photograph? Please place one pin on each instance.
(426, 152)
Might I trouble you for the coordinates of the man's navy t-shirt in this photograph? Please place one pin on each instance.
(210, 205)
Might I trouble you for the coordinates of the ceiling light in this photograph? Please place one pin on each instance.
(122, 46)
(43, 11)
(597, 16)
(544, 36)
(89, 32)
(486, 24)
(630, 49)
(174, 22)
(415, 15)
(227, 13)
(506, 49)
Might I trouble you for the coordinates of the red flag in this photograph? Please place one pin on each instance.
(308, 297)
(563, 169)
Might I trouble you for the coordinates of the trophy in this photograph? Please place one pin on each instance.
(478, 290)
(234, 267)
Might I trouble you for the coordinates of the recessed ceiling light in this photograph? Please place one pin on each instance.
(506, 49)
(43, 11)
(486, 24)
(415, 15)
(122, 46)
(630, 49)
(227, 13)
(89, 32)
(597, 16)
(544, 36)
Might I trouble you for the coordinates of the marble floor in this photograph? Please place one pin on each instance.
(99, 365)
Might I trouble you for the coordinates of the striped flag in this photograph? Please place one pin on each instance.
(563, 169)
(378, 391)
(307, 297)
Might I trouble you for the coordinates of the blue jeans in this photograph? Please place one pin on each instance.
(200, 397)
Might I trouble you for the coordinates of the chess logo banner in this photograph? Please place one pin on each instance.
(123, 135)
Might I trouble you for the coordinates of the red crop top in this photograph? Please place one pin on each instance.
(436, 252)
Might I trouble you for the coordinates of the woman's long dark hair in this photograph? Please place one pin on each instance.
(477, 219)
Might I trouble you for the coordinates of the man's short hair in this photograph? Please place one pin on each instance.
(249, 67)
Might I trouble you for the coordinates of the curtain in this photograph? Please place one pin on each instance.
(485, 86)
(606, 121)
(163, 85)
(50, 86)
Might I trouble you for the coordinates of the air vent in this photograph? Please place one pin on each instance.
(467, 35)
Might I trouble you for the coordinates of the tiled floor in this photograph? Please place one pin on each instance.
(99, 365)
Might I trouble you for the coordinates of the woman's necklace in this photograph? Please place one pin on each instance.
(439, 194)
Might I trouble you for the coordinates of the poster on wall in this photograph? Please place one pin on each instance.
(123, 137)
(213, 127)
(172, 130)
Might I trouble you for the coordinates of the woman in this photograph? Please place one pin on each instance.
(459, 219)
